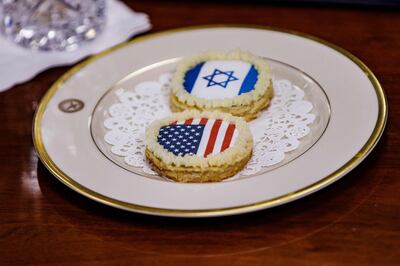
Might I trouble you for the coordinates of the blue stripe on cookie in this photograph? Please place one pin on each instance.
(249, 81)
(191, 77)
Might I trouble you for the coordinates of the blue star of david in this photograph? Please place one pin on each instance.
(223, 84)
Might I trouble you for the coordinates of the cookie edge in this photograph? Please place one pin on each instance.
(260, 89)
(230, 156)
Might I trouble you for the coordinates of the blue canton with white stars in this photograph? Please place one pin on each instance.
(229, 77)
(181, 139)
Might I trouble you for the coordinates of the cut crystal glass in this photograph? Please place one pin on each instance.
(52, 24)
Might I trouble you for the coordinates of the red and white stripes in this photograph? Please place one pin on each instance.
(218, 135)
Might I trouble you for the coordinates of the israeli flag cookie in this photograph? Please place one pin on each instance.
(237, 82)
(195, 146)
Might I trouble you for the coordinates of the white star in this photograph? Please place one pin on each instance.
(186, 149)
(172, 129)
(176, 132)
(186, 133)
(193, 147)
(174, 139)
(178, 126)
(172, 146)
(176, 150)
(180, 137)
(195, 140)
(178, 143)
(184, 140)
(169, 135)
(167, 142)
(182, 146)
(198, 126)
(192, 130)
(197, 134)
(190, 137)
(182, 129)
(163, 139)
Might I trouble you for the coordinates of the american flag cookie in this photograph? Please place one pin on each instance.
(236, 82)
(195, 146)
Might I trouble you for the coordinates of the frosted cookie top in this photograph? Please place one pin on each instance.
(200, 136)
(221, 79)
(199, 139)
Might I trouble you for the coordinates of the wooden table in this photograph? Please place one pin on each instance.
(355, 221)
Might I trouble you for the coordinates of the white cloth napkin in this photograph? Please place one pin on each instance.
(18, 64)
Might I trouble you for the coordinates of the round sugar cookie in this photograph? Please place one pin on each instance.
(236, 82)
(195, 146)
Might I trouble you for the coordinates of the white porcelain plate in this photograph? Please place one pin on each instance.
(349, 105)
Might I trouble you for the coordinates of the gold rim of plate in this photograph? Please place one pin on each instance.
(344, 169)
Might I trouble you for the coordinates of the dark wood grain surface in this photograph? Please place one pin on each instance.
(355, 221)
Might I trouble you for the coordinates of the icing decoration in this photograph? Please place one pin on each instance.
(223, 84)
(218, 79)
(200, 137)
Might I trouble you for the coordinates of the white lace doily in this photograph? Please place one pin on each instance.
(277, 131)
